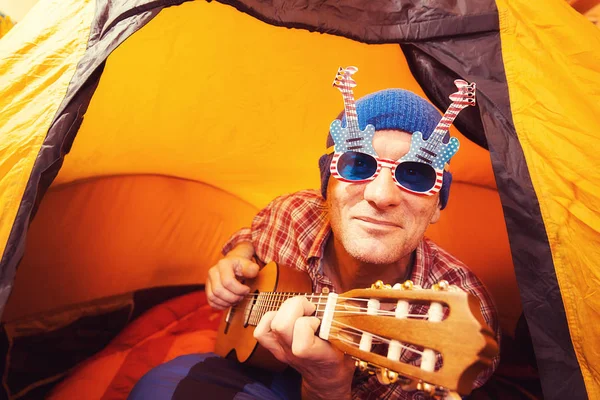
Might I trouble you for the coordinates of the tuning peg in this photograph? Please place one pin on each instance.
(436, 392)
(386, 377)
(451, 396)
(380, 285)
(408, 285)
(426, 387)
(361, 365)
(441, 285)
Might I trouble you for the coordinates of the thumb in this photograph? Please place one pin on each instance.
(245, 268)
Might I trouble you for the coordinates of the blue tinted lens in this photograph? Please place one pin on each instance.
(355, 166)
(416, 176)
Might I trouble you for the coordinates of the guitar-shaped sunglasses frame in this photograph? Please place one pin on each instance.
(420, 170)
(452, 331)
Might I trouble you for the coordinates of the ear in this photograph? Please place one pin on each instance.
(436, 214)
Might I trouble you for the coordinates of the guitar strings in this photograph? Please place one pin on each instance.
(381, 313)
(340, 309)
(349, 330)
(345, 332)
(271, 295)
(274, 299)
(346, 340)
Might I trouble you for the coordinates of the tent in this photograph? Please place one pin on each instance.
(5, 24)
(135, 137)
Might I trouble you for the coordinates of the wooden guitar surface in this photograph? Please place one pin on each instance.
(235, 337)
(452, 330)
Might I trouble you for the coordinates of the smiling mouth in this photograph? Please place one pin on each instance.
(378, 222)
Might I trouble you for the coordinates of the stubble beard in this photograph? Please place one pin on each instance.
(371, 250)
(365, 248)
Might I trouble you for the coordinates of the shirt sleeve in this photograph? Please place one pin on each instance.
(243, 235)
(488, 310)
(284, 230)
(272, 233)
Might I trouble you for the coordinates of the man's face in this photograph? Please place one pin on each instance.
(377, 222)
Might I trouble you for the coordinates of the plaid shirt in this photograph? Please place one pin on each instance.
(293, 229)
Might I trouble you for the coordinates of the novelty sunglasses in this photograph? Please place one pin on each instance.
(421, 170)
(414, 176)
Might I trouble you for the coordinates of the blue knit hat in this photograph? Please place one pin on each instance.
(392, 109)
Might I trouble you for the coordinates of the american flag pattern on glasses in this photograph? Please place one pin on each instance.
(424, 154)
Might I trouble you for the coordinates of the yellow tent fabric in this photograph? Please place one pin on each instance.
(206, 113)
(31, 92)
(263, 143)
(555, 101)
(196, 96)
(5, 24)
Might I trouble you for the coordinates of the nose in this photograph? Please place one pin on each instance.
(382, 191)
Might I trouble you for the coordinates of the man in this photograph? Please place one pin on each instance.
(365, 225)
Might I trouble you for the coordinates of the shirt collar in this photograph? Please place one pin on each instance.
(419, 270)
(317, 249)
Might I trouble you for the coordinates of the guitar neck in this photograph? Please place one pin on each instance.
(448, 321)
(464, 98)
(449, 116)
(350, 111)
(271, 301)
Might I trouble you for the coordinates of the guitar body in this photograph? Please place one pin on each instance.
(235, 336)
(341, 135)
(350, 138)
(444, 151)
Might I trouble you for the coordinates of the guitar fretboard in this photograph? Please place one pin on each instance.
(271, 301)
(449, 116)
(350, 111)
(460, 100)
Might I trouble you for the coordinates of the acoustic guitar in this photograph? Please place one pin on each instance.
(453, 328)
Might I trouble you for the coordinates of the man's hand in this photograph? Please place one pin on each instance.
(289, 334)
(223, 289)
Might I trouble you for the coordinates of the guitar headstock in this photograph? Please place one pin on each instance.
(465, 95)
(343, 78)
(443, 326)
